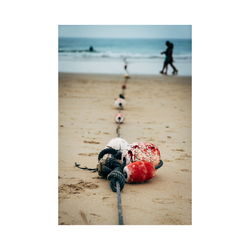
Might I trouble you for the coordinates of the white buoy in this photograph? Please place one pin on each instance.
(126, 76)
(119, 118)
(120, 103)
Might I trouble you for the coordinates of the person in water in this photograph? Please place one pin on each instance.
(91, 49)
(168, 59)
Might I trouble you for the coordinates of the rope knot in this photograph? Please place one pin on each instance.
(116, 176)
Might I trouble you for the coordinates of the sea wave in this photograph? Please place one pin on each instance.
(78, 53)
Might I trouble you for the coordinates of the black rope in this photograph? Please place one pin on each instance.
(159, 165)
(119, 204)
(118, 130)
(123, 96)
(117, 187)
(77, 165)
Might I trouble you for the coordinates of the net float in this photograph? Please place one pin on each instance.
(122, 96)
(126, 153)
(145, 151)
(117, 148)
(119, 118)
(120, 103)
(137, 151)
(126, 76)
(139, 171)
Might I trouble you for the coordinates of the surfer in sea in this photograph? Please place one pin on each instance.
(91, 49)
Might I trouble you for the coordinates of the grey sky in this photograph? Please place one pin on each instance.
(126, 31)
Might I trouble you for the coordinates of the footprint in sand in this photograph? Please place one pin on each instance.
(170, 220)
(96, 215)
(84, 218)
(179, 159)
(183, 157)
(185, 170)
(163, 201)
(89, 154)
(105, 197)
(97, 177)
(178, 150)
(92, 142)
(76, 188)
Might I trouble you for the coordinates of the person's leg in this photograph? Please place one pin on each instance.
(174, 68)
(166, 67)
(163, 67)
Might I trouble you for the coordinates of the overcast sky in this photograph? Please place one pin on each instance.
(126, 31)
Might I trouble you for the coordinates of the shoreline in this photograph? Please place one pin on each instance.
(121, 76)
(115, 66)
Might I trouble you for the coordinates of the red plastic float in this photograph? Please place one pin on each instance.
(139, 171)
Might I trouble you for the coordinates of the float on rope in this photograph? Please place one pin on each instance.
(139, 171)
(139, 161)
(137, 151)
(124, 86)
(120, 103)
(122, 96)
(126, 76)
(114, 146)
(119, 118)
(145, 151)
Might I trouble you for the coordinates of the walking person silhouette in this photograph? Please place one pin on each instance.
(168, 59)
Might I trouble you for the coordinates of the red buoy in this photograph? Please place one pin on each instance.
(139, 171)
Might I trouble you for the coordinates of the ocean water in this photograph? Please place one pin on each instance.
(143, 55)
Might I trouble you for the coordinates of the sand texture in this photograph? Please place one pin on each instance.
(158, 111)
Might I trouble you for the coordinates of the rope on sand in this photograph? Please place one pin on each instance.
(119, 204)
(118, 188)
(120, 117)
(115, 176)
(77, 165)
(118, 130)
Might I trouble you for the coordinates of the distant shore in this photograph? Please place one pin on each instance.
(158, 111)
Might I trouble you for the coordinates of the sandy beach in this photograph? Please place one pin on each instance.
(158, 111)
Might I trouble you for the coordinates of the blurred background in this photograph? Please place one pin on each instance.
(102, 48)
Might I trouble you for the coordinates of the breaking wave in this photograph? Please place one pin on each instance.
(78, 53)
